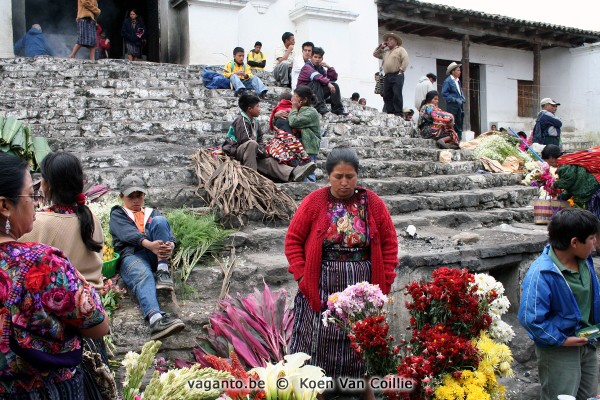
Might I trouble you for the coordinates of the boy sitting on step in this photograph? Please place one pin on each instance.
(561, 295)
(241, 76)
(244, 142)
(145, 242)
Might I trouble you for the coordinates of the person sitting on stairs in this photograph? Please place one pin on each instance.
(145, 242)
(241, 77)
(244, 142)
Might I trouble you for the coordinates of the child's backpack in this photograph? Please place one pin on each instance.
(213, 79)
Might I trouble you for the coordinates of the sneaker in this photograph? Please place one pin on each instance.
(163, 280)
(301, 172)
(165, 326)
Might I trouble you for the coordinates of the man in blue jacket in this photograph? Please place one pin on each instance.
(561, 295)
(547, 124)
(453, 96)
(34, 43)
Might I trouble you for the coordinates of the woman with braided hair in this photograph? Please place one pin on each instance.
(67, 223)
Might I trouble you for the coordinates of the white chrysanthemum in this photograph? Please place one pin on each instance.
(501, 331)
(499, 306)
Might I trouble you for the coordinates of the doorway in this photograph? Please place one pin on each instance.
(474, 93)
(57, 19)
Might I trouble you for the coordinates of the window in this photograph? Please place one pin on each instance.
(527, 107)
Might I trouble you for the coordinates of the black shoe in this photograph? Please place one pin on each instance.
(441, 144)
(165, 326)
(163, 280)
(263, 95)
(240, 92)
(301, 172)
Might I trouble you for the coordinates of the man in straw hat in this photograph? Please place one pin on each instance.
(395, 62)
(453, 96)
(547, 124)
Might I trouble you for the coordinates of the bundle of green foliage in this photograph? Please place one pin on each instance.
(16, 139)
(197, 235)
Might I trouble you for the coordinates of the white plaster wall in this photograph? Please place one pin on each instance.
(570, 76)
(500, 69)
(213, 33)
(6, 33)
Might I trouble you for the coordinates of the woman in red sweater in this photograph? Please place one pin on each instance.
(341, 235)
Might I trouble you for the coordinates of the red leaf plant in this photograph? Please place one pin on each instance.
(258, 327)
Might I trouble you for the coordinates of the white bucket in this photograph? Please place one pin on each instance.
(467, 136)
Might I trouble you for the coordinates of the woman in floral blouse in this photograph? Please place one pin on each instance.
(340, 235)
(45, 304)
(436, 124)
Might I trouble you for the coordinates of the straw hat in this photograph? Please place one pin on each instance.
(452, 67)
(393, 35)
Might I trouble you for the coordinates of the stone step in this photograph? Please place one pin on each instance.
(146, 154)
(476, 199)
(53, 81)
(260, 237)
(496, 247)
(155, 178)
(385, 168)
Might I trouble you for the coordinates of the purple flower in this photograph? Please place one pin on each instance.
(59, 300)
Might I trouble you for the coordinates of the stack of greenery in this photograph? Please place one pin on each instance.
(198, 235)
(16, 139)
(499, 147)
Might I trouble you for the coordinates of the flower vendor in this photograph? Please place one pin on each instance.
(341, 235)
(561, 295)
(578, 174)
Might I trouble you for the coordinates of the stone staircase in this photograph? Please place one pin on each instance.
(148, 119)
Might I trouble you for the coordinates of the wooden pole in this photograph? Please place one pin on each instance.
(537, 61)
(466, 86)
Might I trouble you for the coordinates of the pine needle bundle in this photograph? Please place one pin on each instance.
(234, 189)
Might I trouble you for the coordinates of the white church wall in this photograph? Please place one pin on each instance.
(500, 69)
(6, 26)
(570, 76)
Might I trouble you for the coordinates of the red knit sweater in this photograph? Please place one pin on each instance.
(304, 242)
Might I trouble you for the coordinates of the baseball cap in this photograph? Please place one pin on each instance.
(130, 184)
(548, 100)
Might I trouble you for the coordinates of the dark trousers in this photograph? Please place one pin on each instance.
(392, 93)
(322, 93)
(456, 110)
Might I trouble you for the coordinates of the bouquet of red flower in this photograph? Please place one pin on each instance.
(358, 310)
(446, 315)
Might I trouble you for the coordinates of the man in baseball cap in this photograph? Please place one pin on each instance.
(547, 124)
(548, 100)
(145, 242)
(130, 184)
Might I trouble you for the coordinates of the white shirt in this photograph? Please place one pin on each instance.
(457, 85)
(280, 52)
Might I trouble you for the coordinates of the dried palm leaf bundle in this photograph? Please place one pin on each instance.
(234, 189)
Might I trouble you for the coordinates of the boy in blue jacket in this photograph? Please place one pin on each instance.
(561, 295)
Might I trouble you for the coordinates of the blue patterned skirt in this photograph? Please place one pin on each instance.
(86, 32)
(593, 204)
(66, 390)
(329, 347)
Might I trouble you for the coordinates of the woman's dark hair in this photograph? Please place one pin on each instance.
(551, 151)
(304, 92)
(63, 173)
(428, 97)
(12, 177)
(248, 100)
(341, 154)
(319, 51)
(571, 223)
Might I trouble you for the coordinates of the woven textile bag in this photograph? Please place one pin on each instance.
(544, 210)
(379, 77)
